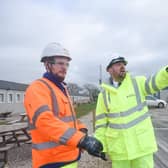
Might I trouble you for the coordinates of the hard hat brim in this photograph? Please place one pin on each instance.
(43, 59)
(116, 61)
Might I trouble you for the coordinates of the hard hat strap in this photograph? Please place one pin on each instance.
(48, 65)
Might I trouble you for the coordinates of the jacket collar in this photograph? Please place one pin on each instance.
(108, 83)
(55, 80)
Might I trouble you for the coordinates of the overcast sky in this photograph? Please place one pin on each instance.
(92, 30)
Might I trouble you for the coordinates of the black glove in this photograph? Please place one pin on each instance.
(103, 156)
(92, 146)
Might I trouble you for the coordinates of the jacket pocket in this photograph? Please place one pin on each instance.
(114, 142)
(146, 139)
(64, 107)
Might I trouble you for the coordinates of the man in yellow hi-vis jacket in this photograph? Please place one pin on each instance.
(123, 123)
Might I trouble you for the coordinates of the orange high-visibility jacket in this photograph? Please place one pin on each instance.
(52, 123)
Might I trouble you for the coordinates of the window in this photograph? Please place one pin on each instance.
(2, 98)
(10, 98)
(150, 98)
(18, 98)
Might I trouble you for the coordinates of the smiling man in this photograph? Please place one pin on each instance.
(123, 123)
(57, 136)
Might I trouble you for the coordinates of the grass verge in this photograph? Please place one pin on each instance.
(84, 109)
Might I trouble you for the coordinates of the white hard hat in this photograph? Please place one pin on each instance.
(53, 50)
(116, 59)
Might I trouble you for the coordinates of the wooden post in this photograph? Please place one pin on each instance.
(100, 74)
(94, 118)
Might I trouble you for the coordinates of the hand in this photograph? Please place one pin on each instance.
(92, 146)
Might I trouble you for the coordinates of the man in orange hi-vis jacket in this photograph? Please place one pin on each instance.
(57, 136)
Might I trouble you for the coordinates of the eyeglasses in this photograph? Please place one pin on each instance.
(62, 64)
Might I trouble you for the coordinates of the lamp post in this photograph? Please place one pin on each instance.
(100, 74)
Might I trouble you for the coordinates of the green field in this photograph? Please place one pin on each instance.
(84, 109)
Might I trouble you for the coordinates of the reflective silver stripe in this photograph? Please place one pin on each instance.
(101, 116)
(147, 87)
(109, 99)
(54, 99)
(104, 98)
(40, 110)
(128, 112)
(139, 107)
(131, 123)
(67, 119)
(31, 127)
(101, 126)
(67, 135)
(63, 140)
(154, 86)
(45, 145)
(135, 85)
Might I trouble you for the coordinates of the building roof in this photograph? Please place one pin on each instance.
(7, 85)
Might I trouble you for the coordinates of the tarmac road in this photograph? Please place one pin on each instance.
(160, 122)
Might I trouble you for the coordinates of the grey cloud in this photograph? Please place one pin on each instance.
(91, 30)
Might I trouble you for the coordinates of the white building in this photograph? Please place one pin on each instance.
(11, 97)
(80, 99)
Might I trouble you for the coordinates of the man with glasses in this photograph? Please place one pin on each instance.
(57, 136)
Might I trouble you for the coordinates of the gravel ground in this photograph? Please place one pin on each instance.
(20, 157)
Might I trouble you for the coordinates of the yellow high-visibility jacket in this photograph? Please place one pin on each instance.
(123, 123)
